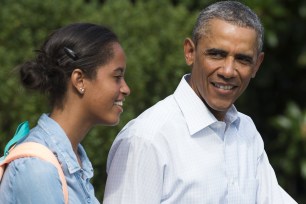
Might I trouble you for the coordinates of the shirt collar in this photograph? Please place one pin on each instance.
(63, 146)
(195, 112)
(232, 116)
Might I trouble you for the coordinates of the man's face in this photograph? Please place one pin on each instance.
(223, 62)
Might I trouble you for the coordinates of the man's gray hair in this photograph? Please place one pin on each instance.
(232, 12)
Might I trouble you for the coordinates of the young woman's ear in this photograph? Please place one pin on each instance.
(77, 80)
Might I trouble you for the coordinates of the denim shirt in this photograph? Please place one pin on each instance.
(32, 180)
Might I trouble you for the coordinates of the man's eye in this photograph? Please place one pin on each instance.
(216, 54)
(245, 61)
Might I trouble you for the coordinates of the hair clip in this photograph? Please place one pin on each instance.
(70, 53)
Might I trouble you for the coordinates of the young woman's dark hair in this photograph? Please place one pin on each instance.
(66, 49)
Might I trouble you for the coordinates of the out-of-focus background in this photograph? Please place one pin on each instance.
(152, 33)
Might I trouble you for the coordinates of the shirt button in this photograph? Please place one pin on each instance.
(233, 182)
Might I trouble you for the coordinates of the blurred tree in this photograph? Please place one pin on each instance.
(290, 145)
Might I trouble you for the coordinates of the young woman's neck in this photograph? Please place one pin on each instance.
(73, 125)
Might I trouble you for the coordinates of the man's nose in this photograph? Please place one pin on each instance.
(228, 68)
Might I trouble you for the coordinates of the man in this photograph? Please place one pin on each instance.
(194, 146)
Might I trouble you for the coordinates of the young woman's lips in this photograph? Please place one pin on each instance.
(119, 104)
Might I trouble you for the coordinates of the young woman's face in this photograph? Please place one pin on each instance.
(104, 95)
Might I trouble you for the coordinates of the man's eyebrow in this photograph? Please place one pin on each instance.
(215, 51)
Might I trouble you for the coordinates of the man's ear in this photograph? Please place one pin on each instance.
(77, 80)
(260, 58)
(189, 51)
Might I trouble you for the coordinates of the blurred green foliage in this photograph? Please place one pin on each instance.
(290, 148)
(152, 33)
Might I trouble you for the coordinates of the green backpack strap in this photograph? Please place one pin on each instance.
(22, 131)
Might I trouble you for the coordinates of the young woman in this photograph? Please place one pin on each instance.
(81, 68)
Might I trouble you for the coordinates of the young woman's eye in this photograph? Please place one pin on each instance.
(118, 77)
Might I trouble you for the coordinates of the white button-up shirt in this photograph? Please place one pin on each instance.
(177, 152)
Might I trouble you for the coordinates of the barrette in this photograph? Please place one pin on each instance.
(70, 53)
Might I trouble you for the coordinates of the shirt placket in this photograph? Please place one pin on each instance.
(83, 182)
(231, 161)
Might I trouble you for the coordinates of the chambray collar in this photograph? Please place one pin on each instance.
(63, 146)
(195, 112)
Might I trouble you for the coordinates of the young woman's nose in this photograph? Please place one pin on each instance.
(125, 89)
